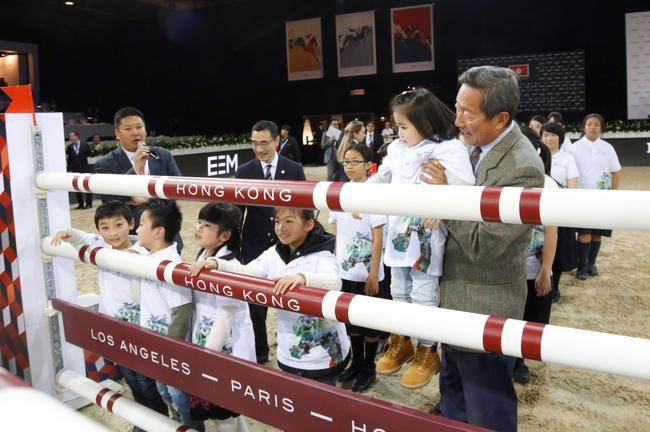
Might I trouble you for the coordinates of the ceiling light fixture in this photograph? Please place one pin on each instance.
(69, 3)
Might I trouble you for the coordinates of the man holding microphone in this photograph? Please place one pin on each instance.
(134, 157)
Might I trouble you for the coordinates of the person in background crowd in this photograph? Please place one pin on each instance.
(565, 172)
(536, 122)
(556, 117)
(77, 154)
(354, 133)
(288, 145)
(541, 253)
(599, 168)
(387, 134)
(329, 144)
(373, 139)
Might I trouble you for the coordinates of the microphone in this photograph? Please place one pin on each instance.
(152, 154)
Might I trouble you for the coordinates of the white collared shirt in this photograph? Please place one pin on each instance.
(274, 166)
(131, 156)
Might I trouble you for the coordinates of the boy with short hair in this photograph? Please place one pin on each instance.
(119, 295)
(165, 308)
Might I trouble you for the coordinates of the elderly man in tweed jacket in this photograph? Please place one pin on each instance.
(485, 262)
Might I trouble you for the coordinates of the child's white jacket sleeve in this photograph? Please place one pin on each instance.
(328, 281)
(79, 237)
(326, 275)
(221, 327)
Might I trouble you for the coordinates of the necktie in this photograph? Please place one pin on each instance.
(474, 157)
(369, 140)
(76, 148)
(267, 173)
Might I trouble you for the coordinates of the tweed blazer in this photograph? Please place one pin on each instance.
(485, 262)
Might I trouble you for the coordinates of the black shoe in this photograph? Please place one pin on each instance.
(556, 296)
(581, 274)
(521, 374)
(349, 374)
(436, 409)
(79, 207)
(263, 360)
(365, 379)
(592, 270)
(89, 206)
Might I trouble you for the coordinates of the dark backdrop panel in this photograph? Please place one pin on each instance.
(224, 67)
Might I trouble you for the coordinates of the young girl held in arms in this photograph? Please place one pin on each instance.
(415, 247)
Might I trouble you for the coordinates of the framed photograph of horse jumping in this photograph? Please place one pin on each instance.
(355, 44)
(412, 38)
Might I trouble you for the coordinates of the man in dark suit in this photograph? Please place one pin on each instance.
(134, 157)
(258, 228)
(77, 154)
(288, 145)
(485, 262)
(373, 139)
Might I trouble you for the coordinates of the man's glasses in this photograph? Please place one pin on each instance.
(352, 162)
(263, 143)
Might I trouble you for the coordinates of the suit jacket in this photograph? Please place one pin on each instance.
(258, 228)
(290, 150)
(377, 142)
(78, 162)
(329, 147)
(117, 162)
(485, 262)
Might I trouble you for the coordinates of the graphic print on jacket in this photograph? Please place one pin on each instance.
(359, 250)
(402, 239)
(315, 332)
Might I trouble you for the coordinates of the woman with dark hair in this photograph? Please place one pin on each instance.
(541, 252)
(536, 122)
(565, 172)
(599, 169)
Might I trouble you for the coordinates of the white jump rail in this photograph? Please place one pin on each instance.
(23, 408)
(604, 352)
(583, 208)
(131, 411)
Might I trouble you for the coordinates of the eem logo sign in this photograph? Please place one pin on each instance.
(222, 164)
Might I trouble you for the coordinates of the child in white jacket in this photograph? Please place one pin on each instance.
(308, 346)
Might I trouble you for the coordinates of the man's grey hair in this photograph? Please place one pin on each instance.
(501, 89)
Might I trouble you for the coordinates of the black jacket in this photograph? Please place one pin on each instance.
(78, 162)
(290, 149)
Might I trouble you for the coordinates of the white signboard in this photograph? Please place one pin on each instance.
(637, 40)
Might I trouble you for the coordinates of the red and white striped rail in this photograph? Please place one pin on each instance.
(584, 208)
(23, 408)
(131, 411)
(603, 352)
